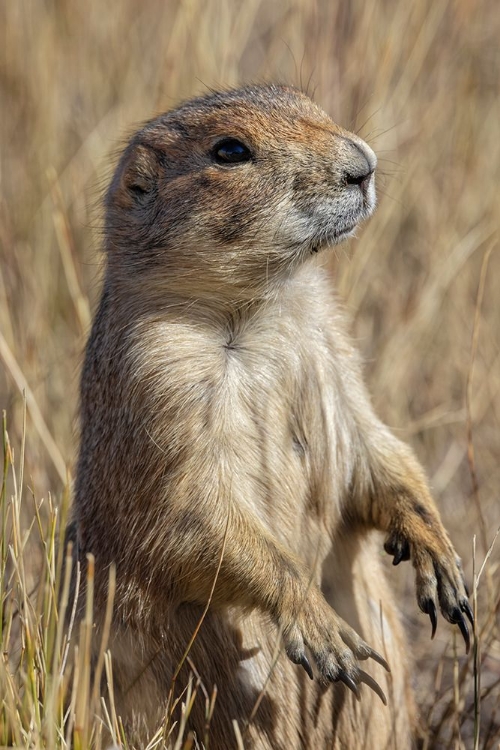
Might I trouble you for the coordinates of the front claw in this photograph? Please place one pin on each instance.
(368, 680)
(428, 607)
(398, 547)
(336, 649)
(355, 680)
(298, 657)
(349, 682)
(372, 654)
(465, 607)
(304, 662)
(453, 599)
(456, 618)
(465, 633)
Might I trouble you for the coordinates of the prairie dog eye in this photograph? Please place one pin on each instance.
(231, 151)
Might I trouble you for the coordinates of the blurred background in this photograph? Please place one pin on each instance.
(421, 83)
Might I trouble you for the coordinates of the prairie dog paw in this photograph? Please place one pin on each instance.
(439, 577)
(335, 647)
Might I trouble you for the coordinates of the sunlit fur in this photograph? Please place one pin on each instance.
(221, 399)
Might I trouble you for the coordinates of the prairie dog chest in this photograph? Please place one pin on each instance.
(275, 367)
(283, 423)
(255, 407)
(267, 413)
(269, 380)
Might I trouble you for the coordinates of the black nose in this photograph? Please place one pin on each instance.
(360, 171)
(363, 180)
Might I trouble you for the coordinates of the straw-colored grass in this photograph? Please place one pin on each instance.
(421, 82)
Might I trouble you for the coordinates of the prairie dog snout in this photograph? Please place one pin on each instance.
(360, 172)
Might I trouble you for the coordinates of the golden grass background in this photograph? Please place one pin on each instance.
(421, 83)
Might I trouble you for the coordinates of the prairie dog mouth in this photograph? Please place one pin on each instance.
(332, 239)
(330, 236)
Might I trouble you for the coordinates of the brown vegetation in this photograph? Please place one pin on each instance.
(420, 84)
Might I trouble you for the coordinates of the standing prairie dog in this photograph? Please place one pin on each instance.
(224, 421)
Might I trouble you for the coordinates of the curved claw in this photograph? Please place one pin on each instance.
(368, 680)
(372, 654)
(398, 556)
(399, 548)
(402, 553)
(304, 661)
(465, 633)
(349, 682)
(466, 608)
(429, 608)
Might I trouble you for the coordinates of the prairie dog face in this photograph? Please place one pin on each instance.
(229, 193)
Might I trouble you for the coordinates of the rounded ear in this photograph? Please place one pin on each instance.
(140, 172)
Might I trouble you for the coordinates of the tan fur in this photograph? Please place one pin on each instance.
(221, 392)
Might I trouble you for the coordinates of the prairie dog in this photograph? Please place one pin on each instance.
(222, 406)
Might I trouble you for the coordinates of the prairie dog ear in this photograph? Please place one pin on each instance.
(140, 172)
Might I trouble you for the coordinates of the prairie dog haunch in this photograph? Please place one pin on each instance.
(222, 400)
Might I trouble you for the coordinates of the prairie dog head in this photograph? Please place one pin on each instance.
(227, 194)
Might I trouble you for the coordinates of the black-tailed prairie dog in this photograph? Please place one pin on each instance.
(224, 421)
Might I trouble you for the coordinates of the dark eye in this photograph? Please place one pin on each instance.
(231, 151)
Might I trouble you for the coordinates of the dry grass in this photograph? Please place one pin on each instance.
(420, 81)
